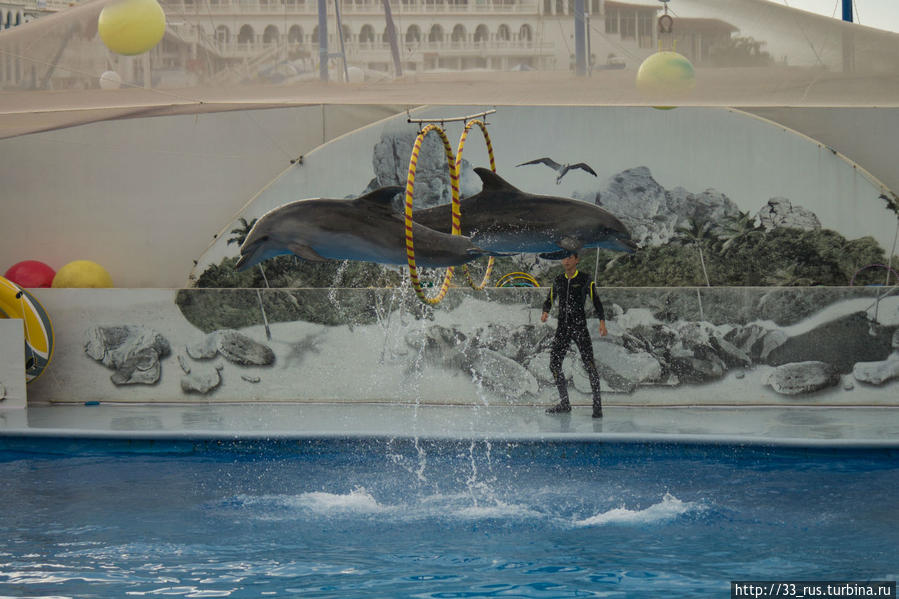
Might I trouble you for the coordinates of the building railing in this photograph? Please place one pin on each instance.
(234, 48)
(354, 7)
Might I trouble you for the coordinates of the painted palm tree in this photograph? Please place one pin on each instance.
(239, 236)
(698, 232)
(240, 233)
(736, 228)
(788, 276)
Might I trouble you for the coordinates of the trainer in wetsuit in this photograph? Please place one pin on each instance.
(571, 289)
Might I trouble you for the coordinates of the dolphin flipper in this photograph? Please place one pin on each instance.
(569, 245)
(554, 255)
(306, 253)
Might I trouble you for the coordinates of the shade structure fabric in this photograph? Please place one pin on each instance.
(228, 55)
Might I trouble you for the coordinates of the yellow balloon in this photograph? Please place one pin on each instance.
(666, 73)
(131, 27)
(82, 273)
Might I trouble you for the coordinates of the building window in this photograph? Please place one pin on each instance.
(628, 25)
(481, 34)
(436, 35)
(222, 35)
(525, 33)
(645, 24)
(246, 35)
(413, 34)
(367, 34)
(503, 33)
(270, 35)
(295, 35)
(459, 34)
(611, 19)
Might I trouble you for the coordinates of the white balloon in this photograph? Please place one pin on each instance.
(356, 75)
(110, 80)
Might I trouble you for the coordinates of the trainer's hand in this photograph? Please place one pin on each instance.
(544, 316)
(603, 331)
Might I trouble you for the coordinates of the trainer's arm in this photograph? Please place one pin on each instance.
(600, 312)
(547, 305)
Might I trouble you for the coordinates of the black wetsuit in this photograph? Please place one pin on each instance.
(571, 295)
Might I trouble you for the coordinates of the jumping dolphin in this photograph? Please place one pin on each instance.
(363, 229)
(503, 219)
(562, 169)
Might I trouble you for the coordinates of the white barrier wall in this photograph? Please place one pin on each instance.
(742, 346)
(143, 197)
(12, 364)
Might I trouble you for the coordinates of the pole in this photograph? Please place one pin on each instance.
(323, 40)
(391, 35)
(848, 39)
(847, 11)
(346, 72)
(580, 46)
(589, 46)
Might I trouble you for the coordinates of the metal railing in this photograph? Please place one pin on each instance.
(310, 7)
(234, 48)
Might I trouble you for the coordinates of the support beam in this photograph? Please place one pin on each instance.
(323, 40)
(580, 40)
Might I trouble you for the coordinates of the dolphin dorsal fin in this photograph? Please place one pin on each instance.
(382, 197)
(492, 181)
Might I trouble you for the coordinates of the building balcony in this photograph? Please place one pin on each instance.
(348, 7)
(356, 49)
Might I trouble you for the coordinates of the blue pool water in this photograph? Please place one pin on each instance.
(410, 518)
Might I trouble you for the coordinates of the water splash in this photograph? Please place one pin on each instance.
(669, 508)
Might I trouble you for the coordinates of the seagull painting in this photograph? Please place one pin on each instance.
(562, 169)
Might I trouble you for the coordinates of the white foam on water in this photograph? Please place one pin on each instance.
(461, 507)
(669, 508)
(495, 511)
(356, 501)
(279, 507)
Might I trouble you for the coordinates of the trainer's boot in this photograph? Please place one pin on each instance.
(563, 407)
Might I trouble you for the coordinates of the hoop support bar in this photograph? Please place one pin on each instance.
(454, 119)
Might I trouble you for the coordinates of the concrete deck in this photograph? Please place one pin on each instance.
(795, 426)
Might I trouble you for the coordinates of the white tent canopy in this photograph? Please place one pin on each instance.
(771, 55)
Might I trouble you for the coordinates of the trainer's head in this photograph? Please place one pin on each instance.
(569, 262)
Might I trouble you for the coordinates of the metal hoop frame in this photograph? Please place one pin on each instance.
(480, 286)
(456, 214)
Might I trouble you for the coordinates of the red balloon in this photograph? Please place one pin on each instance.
(30, 274)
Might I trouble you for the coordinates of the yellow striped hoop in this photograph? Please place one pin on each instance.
(462, 139)
(456, 224)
